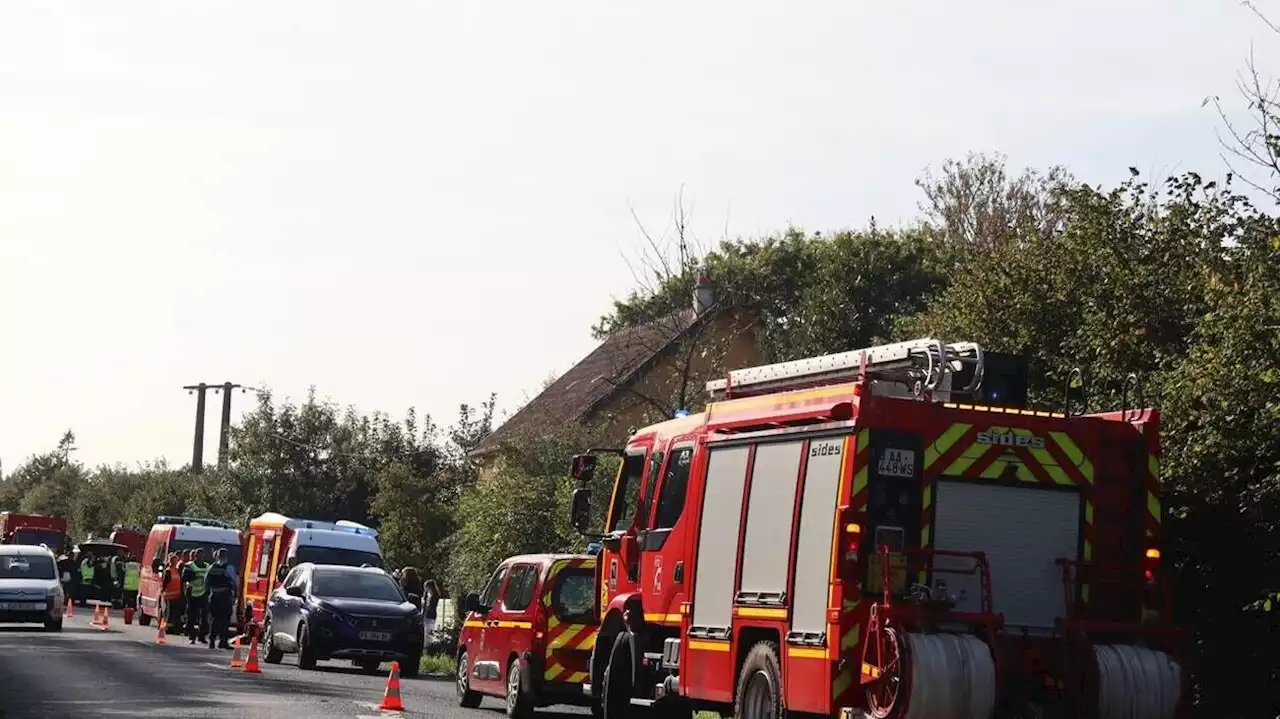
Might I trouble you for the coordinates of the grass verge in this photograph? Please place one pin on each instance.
(437, 665)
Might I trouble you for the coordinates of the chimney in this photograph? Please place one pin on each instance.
(704, 294)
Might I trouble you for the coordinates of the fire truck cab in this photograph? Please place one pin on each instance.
(178, 534)
(274, 538)
(877, 533)
(34, 529)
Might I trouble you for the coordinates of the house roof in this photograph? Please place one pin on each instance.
(612, 365)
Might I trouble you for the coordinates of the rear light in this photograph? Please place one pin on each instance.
(850, 543)
(1151, 560)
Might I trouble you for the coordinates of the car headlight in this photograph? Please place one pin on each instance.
(326, 613)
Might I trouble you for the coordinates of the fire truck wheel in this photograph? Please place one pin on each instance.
(619, 678)
(759, 694)
(518, 704)
(466, 698)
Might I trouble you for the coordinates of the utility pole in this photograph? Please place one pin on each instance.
(224, 438)
(197, 451)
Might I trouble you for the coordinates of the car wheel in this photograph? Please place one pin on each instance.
(306, 655)
(53, 625)
(369, 665)
(466, 697)
(518, 704)
(412, 666)
(274, 653)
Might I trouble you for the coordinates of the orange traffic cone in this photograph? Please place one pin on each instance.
(391, 697)
(237, 659)
(70, 611)
(106, 618)
(251, 664)
(160, 627)
(96, 619)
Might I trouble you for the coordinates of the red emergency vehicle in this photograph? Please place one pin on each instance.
(529, 634)
(131, 536)
(880, 533)
(34, 529)
(178, 534)
(273, 538)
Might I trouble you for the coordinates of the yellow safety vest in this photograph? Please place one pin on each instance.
(196, 585)
(86, 572)
(131, 573)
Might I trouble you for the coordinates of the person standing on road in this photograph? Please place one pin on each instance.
(132, 573)
(410, 582)
(220, 583)
(197, 604)
(86, 576)
(430, 604)
(171, 592)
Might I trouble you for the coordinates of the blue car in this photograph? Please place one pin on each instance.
(360, 614)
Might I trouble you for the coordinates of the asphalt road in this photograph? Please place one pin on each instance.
(86, 672)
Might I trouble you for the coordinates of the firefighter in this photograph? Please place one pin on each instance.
(220, 583)
(66, 575)
(103, 582)
(132, 573)
(197, 604)
(171, 592)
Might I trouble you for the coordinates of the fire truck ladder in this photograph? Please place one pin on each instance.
(921, 365)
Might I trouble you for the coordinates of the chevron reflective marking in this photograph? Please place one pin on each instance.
(1072, 452)
(944, 442)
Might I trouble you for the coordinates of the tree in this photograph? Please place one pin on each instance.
(973, 204)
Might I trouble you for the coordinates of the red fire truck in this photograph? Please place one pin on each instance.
(881, 533)
(18, 528)
(131, 536)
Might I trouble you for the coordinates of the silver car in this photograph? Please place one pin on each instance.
(30, 592)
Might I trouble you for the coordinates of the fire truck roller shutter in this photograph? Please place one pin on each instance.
(1022, 529)
(718, 542)
(770, 510)
(817, 527)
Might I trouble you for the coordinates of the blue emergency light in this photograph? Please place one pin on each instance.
(682, 413)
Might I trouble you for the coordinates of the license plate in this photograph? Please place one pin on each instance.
(897, 463)
(21, 606)
(375, 636)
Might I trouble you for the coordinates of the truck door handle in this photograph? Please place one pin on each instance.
(679, 572)
(492, 624)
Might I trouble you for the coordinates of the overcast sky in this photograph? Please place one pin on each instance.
(419, 203)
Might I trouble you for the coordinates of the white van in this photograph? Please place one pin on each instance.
(30, 592)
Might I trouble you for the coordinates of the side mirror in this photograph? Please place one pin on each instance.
(471, 603)
(583, 467)
(158, 567)
(415, 600)
(580, 510)
(294, 591)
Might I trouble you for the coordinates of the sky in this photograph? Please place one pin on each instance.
(422, 203)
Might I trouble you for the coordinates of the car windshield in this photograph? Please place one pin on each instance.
(50, 538)
(355, 585)
(333, 555)
(233, 550)
(24, 566)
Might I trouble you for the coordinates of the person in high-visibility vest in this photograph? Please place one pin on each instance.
(171, 593)
(86, 577)
(197, 603)
(132, 573)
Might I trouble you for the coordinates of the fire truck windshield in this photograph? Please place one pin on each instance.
(626, 495)
(51, 538)
(333, 555)
(233, 550)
